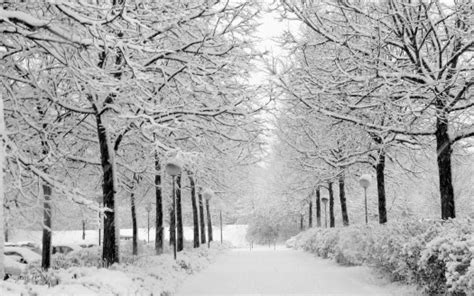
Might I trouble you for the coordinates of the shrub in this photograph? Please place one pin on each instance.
(88, 257)
(35, 275)
(437, 255)
(445, 261)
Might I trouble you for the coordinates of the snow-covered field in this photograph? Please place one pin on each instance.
(235, 234)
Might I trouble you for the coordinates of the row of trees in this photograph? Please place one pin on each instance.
(104, 93)
(176, 234)
(378, 87)
(372, 82)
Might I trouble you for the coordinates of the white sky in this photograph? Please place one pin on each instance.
(270, 30)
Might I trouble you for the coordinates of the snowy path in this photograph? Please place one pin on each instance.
(283, 272)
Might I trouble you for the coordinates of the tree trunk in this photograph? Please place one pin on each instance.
(332, 221)
(83, 229)
(209, 222)
(201, 219)
(179, 214)
(6, 229)
(134, 225)
(100, 228)
(110, 251)
(159, 235)
(195, 212)
(46, 252)
(444, 150)
(310, 214)
(318, 207)
(301, 222)
(380, 168)
(3, 134)
(342, 198)
(111, 243)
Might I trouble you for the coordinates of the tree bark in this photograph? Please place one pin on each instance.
(444, 147)
(310, 214)
(47, 212)
(318, 207)
(444, 150)
(159, 228)
(195, 212)
(3, 134)
(380, 168)
(332, 221)
(209, 222)
(342, 198)
(6, 230)
(134, 225)
(100, 229)
(110, 253)
(179, 215)
(46, 251)
(201, 219)
(111, 243)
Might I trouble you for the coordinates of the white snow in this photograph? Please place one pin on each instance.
(13, 267)
(146, 275)
(285, 272)
(26, 253)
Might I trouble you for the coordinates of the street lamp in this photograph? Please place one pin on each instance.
(148, 209)
(364, 181)
(220, 206)
(208, 194)
(220, 222)
(325, 202)
(173, 168)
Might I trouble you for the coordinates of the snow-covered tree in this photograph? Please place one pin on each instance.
(408, 60)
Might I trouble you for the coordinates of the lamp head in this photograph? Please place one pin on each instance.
(207, 193)
(148, 206)
(173, 167)
(364, 180)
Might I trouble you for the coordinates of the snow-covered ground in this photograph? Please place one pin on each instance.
(234, 234)
(145, 275)
(266, 271)
(138, 276)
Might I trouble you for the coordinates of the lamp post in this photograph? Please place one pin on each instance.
(148, 209)
(364, 181)
(220, 206)
(173, 168)
(207, 194)
(325, 202)
(220, 222)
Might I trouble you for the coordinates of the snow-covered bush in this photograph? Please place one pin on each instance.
(437, 255)
(352, 245)
(445, 260)
(85, 257)
(36, 275)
